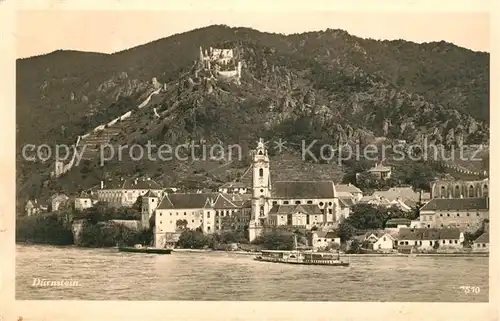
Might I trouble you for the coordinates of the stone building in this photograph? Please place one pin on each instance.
(125, 193)
(460, 189)
(463, 213)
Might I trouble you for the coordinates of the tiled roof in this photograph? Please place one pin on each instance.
(429, 234)
(380, 168)
(405, 194)
(303, 189)
(484, 238)
(234, 185)
(398, 221)
(223, 202)
(349, 188)
(187, 200)
(60, 196)
(150, 193)
(346, 202)
(291, 209)
(443, 204)
(141, 183)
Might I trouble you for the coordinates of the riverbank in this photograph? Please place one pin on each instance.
(471, 254)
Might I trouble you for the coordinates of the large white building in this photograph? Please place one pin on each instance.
(289, 203)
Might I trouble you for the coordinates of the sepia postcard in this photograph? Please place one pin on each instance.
(231, 160)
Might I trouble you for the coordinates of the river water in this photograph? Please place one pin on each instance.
(106, 274)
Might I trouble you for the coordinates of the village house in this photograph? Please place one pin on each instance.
(385, 241)
(464, 213)
(57, 201)
(397, 223)
(85, 200)
(125, 193)
(34, 207)
(403, 197)
(345, 208)
(318, 199)
(234, 188)
(430, 238)
(349, 191)
(381, 172)
(482, 243)
(323, 239)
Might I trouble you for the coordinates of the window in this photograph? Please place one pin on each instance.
(477, 214)
(330, 211)
(160, 222)
(285, 202)
(321, 203)
(444, 241)
(468, 214)
(456, 241)
(458, 214)
(261, 172)
(275, 202)
(441, 214)
(208, 214)
(297, 202)
(160, 214)
(430, 242)
(170, 222)
(330, 203)
(450, 242)
(170, 214)
(448, 214)
(262, 190)
(484, 245)
(192, 221)
(184, 213)
(309, 202)
(384, 239)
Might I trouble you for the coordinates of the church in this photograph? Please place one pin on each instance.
(301, 204)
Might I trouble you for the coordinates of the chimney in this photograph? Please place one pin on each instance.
(102, 184)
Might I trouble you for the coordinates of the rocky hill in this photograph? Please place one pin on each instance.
(328, 86)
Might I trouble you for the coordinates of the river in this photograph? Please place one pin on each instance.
(106, 274)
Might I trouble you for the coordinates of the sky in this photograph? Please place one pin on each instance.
(109, 29)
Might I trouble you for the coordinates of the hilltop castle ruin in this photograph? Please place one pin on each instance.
(222, 63)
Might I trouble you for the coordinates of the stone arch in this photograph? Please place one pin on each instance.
(450, 191)
(457, 191)
(442, 192)
(478, 191)
(485, 190)
(464, 190)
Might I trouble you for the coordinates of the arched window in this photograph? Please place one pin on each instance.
(260, 152)
(471, 191)
(443, 192)
(457, 191)
(485, 191)
(261, 172)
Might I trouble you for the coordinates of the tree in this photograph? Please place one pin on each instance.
(181, 224)
(355, 246)
(192, 239)
(346, 231)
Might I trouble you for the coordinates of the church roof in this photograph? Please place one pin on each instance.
(291, 209)
(186, 200)
(303, 189)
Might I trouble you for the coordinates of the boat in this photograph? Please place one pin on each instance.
(301, 257)
(145, 250)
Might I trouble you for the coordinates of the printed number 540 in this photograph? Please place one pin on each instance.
(470, 289)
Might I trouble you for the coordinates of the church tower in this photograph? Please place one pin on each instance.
(261, 183)
(149, 204)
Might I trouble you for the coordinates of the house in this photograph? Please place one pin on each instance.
(397, 223)
(85, 200)
(297, 215)
(402, 195)
(384, 242)
(425, 239)
(482, 243)
(380, 171)
(345, 207)
(57, 201)
(323, 239)
(349, 191)
(464, 213)
(125, 193)
(32, 207)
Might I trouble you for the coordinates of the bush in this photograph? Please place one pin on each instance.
(44, 229)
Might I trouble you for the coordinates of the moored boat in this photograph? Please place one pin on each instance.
(145, 250)
(301, 257)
